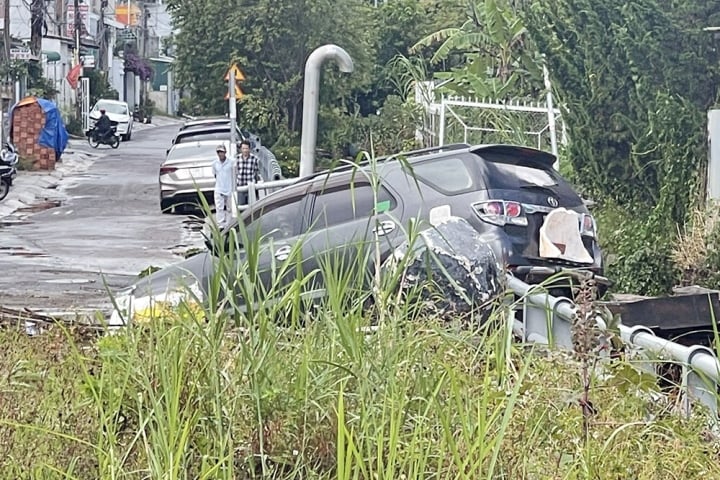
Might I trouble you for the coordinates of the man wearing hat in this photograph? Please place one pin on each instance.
(223, 172)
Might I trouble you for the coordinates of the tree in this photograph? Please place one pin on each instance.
(271, 40)
(492, 46)
(398, 25)
(635, 89)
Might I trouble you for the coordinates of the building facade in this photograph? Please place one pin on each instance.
(105, 26)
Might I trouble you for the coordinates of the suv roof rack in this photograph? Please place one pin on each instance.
(345, 166)
(423, 151)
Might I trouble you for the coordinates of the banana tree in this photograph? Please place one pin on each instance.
(496, 58)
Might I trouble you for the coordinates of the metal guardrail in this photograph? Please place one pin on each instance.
(254, 190)
(548, 320)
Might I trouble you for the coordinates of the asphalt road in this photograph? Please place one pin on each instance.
(107, 229)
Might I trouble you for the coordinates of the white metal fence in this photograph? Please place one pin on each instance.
(548, 320)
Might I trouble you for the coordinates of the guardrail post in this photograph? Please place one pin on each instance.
(536, 318)
(561, 326)
(252, 193)
(696, 385)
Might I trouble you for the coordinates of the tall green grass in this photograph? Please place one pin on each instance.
(279, 386)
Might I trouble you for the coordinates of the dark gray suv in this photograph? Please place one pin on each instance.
(505, 192)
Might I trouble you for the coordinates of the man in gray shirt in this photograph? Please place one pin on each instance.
(223, 171)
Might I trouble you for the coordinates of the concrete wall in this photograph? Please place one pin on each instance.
(161, 100)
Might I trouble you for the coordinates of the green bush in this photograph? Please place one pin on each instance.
(74, 126)
(289, 160)
(637, 250)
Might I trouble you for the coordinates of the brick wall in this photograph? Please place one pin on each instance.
(28, 120)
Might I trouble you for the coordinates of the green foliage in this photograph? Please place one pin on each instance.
(289, 160)
(14, 69)
(634, 89)
(638, 249)
(492, 43)
(38, 85)
(186, 395)
(492, 58)
(392, 129)
(99, 86)
(74, 126)
(276, 39)
(634, 92)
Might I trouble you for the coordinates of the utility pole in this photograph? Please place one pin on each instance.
(143, 54)
(6, 31)
(78, 28)
(36, 24)
(102, 36)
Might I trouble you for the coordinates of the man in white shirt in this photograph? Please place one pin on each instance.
(223, 172)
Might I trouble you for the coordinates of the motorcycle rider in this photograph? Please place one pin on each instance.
(103, 125)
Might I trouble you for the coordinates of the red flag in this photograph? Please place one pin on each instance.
(73, 75)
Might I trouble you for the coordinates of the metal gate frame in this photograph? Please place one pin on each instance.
(425, 94)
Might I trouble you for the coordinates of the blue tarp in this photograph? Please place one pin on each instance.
(53, 134)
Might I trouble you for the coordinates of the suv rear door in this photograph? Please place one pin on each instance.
(526, 176)
(271, 229)
(345, 219)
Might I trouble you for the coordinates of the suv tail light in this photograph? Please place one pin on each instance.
(166, 170)
(500, 212)
(587, 225)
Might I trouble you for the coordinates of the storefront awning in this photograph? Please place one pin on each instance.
(113, 23)
(51, 56)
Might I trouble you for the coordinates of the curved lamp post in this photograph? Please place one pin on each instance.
(311, 97)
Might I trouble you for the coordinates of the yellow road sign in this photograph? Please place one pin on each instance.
(238, 93)
(238, 74)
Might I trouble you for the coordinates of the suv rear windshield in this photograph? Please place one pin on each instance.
(460, 174)
(195, 137)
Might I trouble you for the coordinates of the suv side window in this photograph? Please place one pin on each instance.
(277, 220)
(344, 204)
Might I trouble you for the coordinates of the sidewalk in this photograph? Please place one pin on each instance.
(33, 188)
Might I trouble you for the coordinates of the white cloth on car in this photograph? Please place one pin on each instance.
(560, 237)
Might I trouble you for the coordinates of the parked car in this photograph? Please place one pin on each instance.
(217, 121)
(202, 132)
(187, 169)
(118, 112)
(505, 192)
(221, 123)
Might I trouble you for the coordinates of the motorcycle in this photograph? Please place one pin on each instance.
(8, 171)
(110, 138)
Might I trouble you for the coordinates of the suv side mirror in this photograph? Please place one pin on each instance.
(212, 245)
